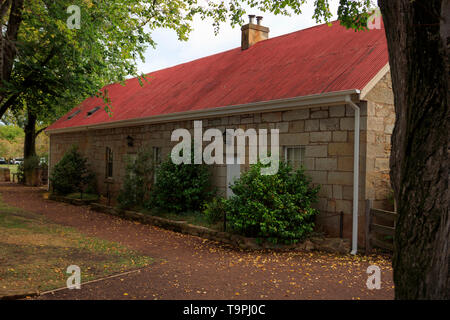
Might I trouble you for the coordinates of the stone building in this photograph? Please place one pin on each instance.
(307, 84)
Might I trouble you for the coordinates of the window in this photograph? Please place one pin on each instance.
(157, 155)
(92, 111)
(295, 156)
(156, 160)
(73, 114)
(109, 163)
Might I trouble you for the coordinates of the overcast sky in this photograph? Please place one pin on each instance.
(202, 41)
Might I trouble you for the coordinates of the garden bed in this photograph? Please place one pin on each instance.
(315, 243)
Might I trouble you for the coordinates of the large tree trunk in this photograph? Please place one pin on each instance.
(417, 36)
(29, 150)
(8, 39)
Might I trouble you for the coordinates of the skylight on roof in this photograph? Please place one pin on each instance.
(73, 114)
(92, 111)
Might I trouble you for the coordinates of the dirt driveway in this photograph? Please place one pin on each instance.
(189, 267)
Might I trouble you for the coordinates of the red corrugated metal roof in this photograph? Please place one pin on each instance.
(311, 61)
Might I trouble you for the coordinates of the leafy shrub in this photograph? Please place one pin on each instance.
(215, 210)
(138, 180)
(71, 174)
(276, 207)
(181, 187)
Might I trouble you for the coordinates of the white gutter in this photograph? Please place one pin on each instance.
(355, 176)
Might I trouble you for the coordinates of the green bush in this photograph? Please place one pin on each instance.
(138, 180)
(180, 187)
(71, 174)
(215, 210)
(275, 207)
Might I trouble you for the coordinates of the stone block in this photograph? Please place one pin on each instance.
(320, 136)
(299, 114)
(312, 125)
(326, 164)
(294, 139)
(337, 192)
(339, 136)
(347, 124)
(296, 126)
(341, 178)
(340, 149)
(316, 151)
(337, 111)
(319, 177)
(345, 163)
(271, 117)
(344, 206)
(329, 124)
(320, 114)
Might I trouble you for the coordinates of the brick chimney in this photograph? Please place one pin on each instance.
(253, 33)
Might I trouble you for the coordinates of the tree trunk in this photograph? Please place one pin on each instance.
(417, 36)
(8, 41)
(29, 149)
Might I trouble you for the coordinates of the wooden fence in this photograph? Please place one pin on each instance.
(380, 228)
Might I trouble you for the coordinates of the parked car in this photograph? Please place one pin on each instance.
(18, 160)
(3, 161)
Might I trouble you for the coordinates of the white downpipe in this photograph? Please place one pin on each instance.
(355, 176)
(48, 162)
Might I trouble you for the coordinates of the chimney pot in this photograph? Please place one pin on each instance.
(253, 33)
(258, 20)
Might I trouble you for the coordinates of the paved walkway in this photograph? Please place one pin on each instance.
(189, 267)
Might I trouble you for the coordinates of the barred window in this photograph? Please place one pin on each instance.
(109, 163)
(156, 161)
(295, 156)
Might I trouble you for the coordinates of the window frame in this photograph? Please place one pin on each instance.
(302, 156)
(109, 163)
(157, 160)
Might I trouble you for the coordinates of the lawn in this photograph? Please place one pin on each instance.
(35, 253)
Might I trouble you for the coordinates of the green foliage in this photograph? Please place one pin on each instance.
(11, 133)
(138, 180)
(71, 174)
(181, 187)
(215, 210)
(276, 207)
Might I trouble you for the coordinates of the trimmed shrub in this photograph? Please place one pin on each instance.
(275, 207)
(180, 187)
(139, 178)
(71, 174)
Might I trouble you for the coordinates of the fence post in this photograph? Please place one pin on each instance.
(368, 222)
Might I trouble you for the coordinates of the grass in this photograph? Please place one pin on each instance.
(35, 253)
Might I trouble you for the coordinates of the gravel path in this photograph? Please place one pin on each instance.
(189, 267)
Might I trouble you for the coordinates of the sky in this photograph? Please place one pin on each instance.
(202, 41)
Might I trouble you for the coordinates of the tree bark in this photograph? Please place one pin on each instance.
(29, 149)
(8, 42)
(418, 56)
